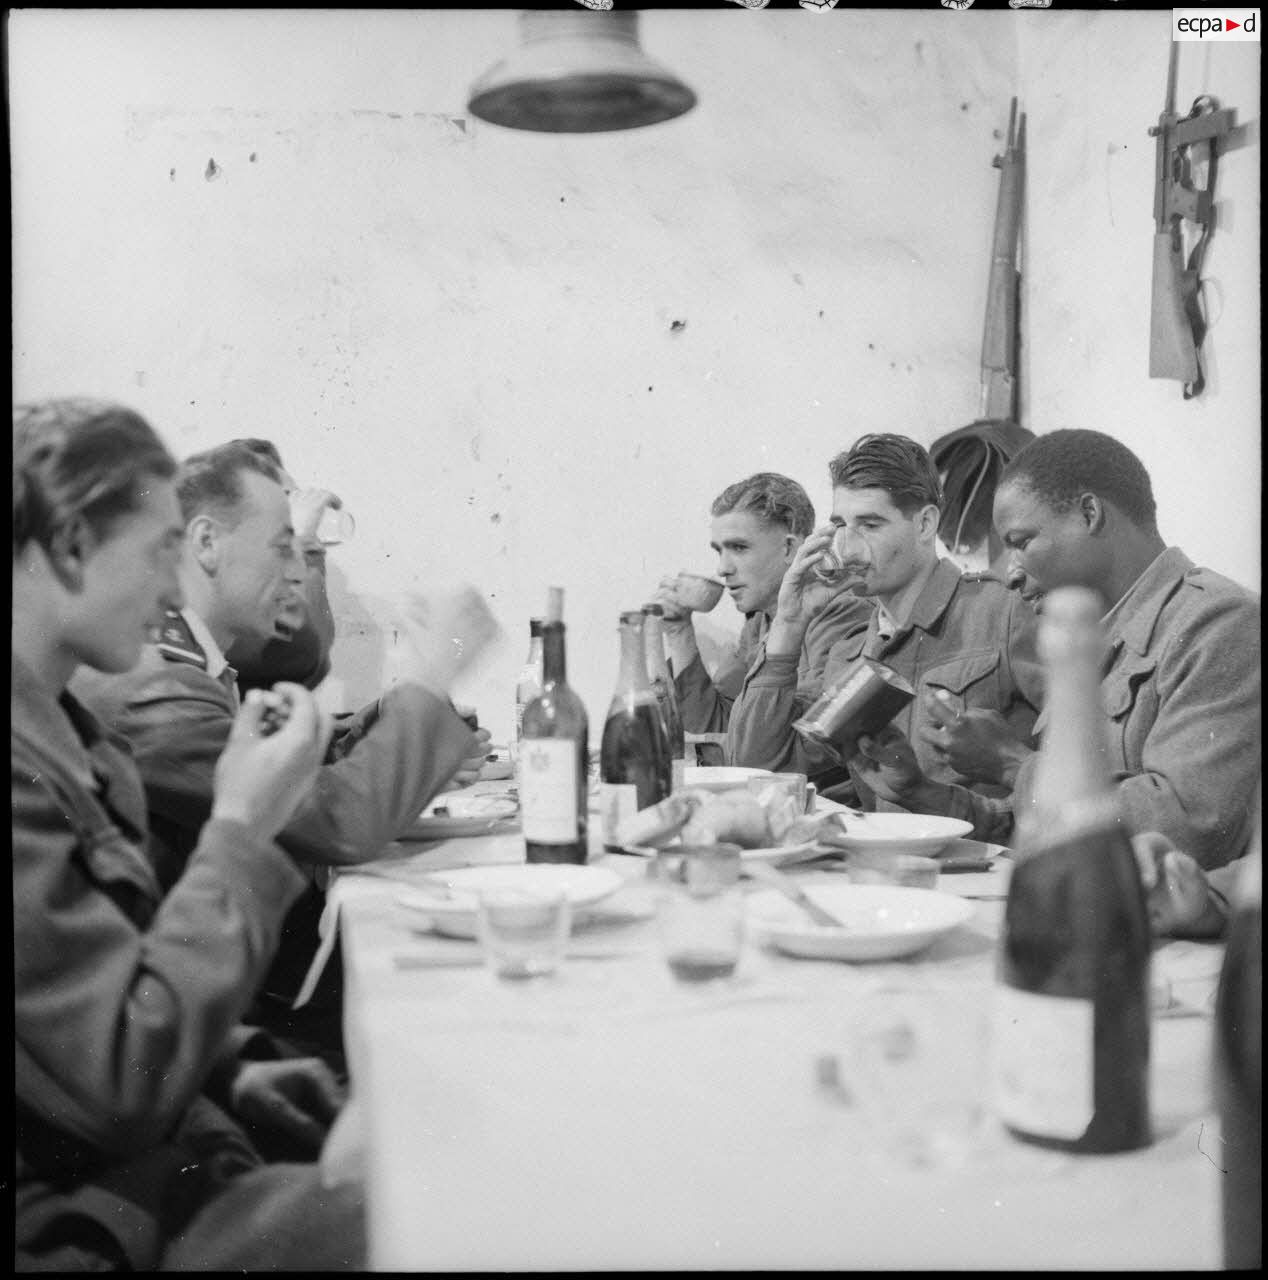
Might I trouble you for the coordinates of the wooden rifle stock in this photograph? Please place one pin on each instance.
(1000, 337)
(1176, 322)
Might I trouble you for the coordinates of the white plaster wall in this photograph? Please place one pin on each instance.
(467, 331)
(1094, 84)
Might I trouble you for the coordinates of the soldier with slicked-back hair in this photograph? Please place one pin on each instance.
(960, 639)
(758, 524)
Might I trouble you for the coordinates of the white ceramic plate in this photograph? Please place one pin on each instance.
(452, 905)
(720, 777)
(778, 855)
(458, 815)
(896, 833)
(882, 922)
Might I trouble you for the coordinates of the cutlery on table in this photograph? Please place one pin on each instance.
(794, 892)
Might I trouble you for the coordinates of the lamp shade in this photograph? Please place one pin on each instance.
(578, 72)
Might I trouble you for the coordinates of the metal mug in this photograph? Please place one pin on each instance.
(863, 699)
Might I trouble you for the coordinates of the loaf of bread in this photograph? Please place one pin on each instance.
(658, 824)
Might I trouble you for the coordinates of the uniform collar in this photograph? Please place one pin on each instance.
(933, 599)
(1132, 620)
(187, 638)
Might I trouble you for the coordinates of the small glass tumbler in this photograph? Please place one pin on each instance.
(700, 910)
(335, 526)
(523, 932)
(832, 568)
(780, 788)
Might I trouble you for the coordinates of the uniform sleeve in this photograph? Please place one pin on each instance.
(780, 687)
(705, 702)
(393, 759)
(117, 1027)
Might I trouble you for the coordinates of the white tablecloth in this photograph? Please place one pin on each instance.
(609, 1118)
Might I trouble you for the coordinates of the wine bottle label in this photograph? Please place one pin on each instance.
(617, 801)
(1043, 1077)
(679, 767)
(548, 789)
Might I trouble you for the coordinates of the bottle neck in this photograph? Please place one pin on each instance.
(633, 677)
(551, 644)
(1073, 781)
(654, 644)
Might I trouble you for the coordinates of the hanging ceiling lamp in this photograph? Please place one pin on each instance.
(578, 72)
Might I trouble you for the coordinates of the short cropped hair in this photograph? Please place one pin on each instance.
(894, 463)
(774, 499)
(265, 448)
(1062, 465)
(79, 458)
(210, 482)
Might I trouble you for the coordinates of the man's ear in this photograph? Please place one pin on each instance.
(69, 551)
(202, 534)
(927, 520)
(791, 543)
(1092, 509)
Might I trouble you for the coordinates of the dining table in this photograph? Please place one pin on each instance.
(800, 1113)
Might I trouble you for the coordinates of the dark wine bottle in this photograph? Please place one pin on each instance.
(1239, 1071)
(1071, 1026)
(554, 756)
(635, 768)
(663, 686)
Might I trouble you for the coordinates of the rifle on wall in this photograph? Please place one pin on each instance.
(1000, 341)
(1177, 324)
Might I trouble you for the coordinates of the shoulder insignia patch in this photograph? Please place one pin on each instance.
(177, 643)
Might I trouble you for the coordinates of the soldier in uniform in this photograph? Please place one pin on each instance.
(758, 524)
(961, 640)
(239, 573)
(1181, 685)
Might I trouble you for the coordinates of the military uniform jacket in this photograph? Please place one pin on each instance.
(1182, 694)
(385, 762)
(126, 1007)
(708, 704)
(967, 635)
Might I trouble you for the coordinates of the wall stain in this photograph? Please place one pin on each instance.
(212, 171)
(677, 326)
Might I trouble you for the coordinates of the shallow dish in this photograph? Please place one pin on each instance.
(720, 777)
(778, 855)
(462, 816)
(896, 833)
(451, 905)
(882, 922)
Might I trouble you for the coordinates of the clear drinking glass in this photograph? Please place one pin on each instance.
(523, 932)
(700, 910)
(335, 526)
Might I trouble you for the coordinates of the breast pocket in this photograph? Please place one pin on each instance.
(967, 680)
(1130, 700)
